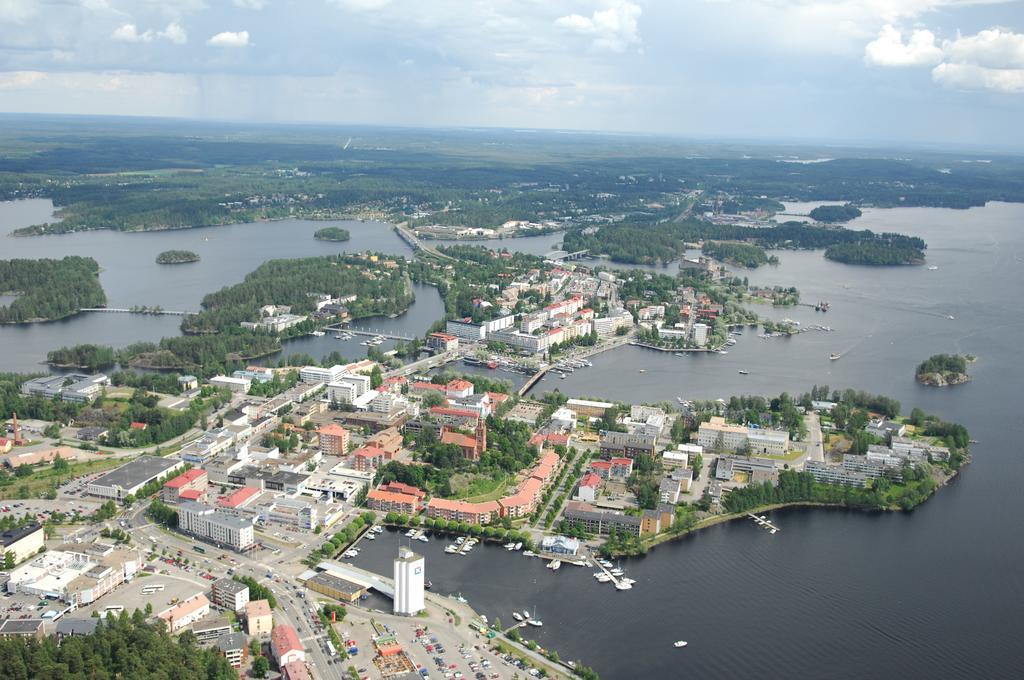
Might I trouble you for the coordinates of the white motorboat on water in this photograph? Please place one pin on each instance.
(535, 622)
(623, 586)
(680, 643)
(526, 613)
(518, 546)
(556, 565)
(529, 553)
(450, 549)
(517, 616)
(422, 539)
(509, 546)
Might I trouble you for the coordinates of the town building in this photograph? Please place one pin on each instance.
(461, 511)
(388, 440)
(472, 447)
(286, 646)
(210, 630)
(230, 594)
(129, 479)
(185, 613)
(754, 469)
(409, 583)
(388, 501)
(235, 385)
(12, 628)
(216, 526)
(235, 648)
(628, 444)
(22, 542)
(334, 586)
(585, 408)
(334, 439)
(368, 458)
(716, 434)
(560, 545)
(73, 387)
(600, 522)
(258, 619)
(194, 480)
(589, 485)
(442, 342)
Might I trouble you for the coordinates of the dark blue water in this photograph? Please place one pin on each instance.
(935, 593)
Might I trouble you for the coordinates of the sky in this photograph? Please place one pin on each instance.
(939, 72)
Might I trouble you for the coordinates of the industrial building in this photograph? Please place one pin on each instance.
(409, 580)
(131, 477)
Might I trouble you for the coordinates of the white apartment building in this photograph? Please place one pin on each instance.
(315, 374)
(214, 525)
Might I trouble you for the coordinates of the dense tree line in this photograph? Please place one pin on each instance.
(835, 213)
(49, 289)
(87, 356)
(125, 647)
(796, 487)
(13, 401)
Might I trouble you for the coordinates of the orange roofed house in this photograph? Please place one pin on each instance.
(461, 511)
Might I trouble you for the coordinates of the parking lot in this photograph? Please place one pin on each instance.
(131, 597)
(42, 508)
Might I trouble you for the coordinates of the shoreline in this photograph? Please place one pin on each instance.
(708, 522)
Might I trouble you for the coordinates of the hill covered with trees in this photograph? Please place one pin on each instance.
(49, 289)
(125, 648)
(835, 213)
(740, 254)
(940, 370)
(332, 234)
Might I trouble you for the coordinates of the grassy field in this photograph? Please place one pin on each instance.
(792, 455)
(479, 488)
(43, 478)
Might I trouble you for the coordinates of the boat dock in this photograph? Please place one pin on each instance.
(763, 522)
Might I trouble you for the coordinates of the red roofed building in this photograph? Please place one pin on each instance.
(399, 487)
(333, 439)
(472, 446)
(621, 468)
(388, 440)
(191, 480)
(497, 398)
(286, 646)
(192, 495)
(239, 498)
(442, 342)
(138, 426)
(368, 458)
(551, 439)
(389, 501)
(588, 487)
(455, 417)
(461, 511)
(601, 468)
(458, 389)
(393, 384)
(524, 500)
(295, 670)
(425, 388)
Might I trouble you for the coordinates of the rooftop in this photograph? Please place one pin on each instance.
(137, 472)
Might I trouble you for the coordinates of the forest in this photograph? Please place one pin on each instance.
(49, 289)
(943, 363)
(121, 648)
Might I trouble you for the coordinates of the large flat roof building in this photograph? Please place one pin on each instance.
(23, 542)
(131, 477)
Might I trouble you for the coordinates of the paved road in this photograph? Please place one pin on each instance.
(815, 440)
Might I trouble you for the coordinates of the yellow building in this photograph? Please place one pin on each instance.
(258, 619)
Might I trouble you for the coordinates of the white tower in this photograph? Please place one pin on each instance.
(408, 583)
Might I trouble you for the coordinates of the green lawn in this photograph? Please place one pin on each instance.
(479, 488)
(43, 478)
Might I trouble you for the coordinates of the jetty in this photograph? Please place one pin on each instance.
(763, 522)
(137, 310)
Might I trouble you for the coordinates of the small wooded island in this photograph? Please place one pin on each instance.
(176, 257)
(331, 234)
(832, 214)
(941, 370)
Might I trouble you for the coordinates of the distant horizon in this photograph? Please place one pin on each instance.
(812, 143)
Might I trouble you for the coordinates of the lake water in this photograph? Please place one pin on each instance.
(130, 276)
(835, 594)
(842, 595)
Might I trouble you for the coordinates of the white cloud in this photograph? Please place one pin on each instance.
(175, 33)
(973, 77)
(360, 5)
(19, 80)
(251, 4)
(230, 39)
(16, 11)
(614, 28)
(129, 33)
(888, 49)
(992, 48)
